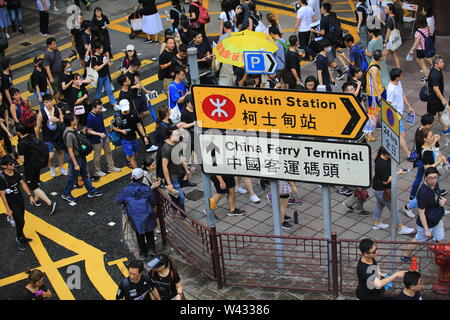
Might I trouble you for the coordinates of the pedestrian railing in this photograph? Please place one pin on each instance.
(301, 263)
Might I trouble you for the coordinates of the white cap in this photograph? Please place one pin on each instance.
(137, 174)
(124, 105)
(130, 47)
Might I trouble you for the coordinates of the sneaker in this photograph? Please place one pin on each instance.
(52, 208)
(21, 31)
(345, 191)
(157, 231)
(255, 199)
(68, 198)
(114, 169)
(423, 80)
(148, 41)
(262, 184)
(380, 226)
(53, 171)
(443, 192)
(241, 190)
(446, 132)
(151, 253)
(408, 212)
(104, 109)
(63, 171)
(405, 260)
(287, 218)
(11, 221)
(348, 207)
(292, 201)
(96, 193)
(286, 225)
(363, 213)
(55, 9)
(100, 174)
(43, 34)
(26, 240)
(269, 197)
(20, 245)
(7, 36)
(406, 230)
(93, 179)
(236, 212)
(38, 203)
(152, 148)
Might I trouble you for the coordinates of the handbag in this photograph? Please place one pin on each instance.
(79, 110)
(387, 195)
(175, 114)
(395, 39)
(445, 119)
(93, 75)
(137, 23)
(362, 194)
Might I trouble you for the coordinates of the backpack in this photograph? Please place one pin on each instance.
(30, 85)
(3, 40)
(430, 49)
(364, 63)
(335, 35)
(25, 114)
(284, 44)
(203, 16)
(424, 93)
(39, 153)
(84, 145)
(114, 136)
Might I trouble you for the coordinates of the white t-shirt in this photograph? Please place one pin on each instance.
(223, 16)
(431, 24)
(306, 15)
(394, 95)
(315, 5)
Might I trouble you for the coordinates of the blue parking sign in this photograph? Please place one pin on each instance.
(259, 62)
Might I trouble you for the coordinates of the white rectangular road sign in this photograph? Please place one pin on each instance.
(390, 141)
(321, 162)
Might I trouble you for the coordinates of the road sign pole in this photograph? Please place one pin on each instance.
(326, 205)
(276, 215)
(195, 79)
(394, 212)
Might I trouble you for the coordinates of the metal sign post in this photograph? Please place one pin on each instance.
(276, 215)
(195, 78)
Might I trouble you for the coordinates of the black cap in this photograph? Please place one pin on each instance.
(37, 59)
(188, 98)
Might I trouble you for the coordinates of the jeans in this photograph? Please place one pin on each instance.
(363, 37)
(381, 203)
(73, 175)
(105, 82)
(43, 22)
(303, 37)
(41, 104)
(179, 201)
(16, 13)
(418, 180)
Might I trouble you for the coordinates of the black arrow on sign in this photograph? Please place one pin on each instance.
(272, 61)
(354, 116)
(213, 149)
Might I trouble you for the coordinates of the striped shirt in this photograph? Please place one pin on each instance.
(417, 35)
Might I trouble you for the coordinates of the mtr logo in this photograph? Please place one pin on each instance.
(218, 108)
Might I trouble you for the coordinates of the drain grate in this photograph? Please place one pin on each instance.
(195, 195)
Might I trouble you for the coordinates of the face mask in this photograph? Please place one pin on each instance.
(69, 69)
(329, 49)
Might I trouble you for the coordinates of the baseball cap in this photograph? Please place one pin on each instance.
(130, 47)
(124, 105)
(37, 59)
(137, 174)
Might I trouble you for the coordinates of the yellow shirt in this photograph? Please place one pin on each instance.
(373, 84)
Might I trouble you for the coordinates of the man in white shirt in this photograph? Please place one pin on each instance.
(305, 16)
(397, 99)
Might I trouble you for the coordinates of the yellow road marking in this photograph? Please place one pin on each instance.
(121, 265)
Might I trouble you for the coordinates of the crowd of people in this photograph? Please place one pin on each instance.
(74, 127)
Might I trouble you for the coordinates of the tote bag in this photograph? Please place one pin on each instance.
(395, 39)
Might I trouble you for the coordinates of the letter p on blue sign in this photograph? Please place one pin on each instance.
(254, 62)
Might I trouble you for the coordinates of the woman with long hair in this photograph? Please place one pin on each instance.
(391, 23)
(35, 288)
(130, 54)
(227, 14)
(423, 32)
(166, 281)
(102, 21)
(427, 11)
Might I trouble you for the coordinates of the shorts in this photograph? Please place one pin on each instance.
(420, 54)
(371, 100)
(229, 183)
(32, 176)
(331, 55)
(284, 188)
(141, 104)
(52, 146)
(435, 107)
(437, 233)
(130, 147)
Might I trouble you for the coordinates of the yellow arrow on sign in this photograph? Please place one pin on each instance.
(321, 114)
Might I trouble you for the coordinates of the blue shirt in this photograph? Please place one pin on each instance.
(95, 123)
(176, 91)
(41, 7)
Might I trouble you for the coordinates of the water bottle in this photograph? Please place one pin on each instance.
(296, 217)
(11, 221)
(409, 57)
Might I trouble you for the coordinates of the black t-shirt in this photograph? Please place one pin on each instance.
(134, 291)
(175, 170)
(174, 14)
(66, 78)
(403, 296)
(325, 25)
(322, 64)
(129, 121)
(293, 61)
(178, 63)
(162, 132)
(24, 148)
(134, 77)
(39, 78)
(194, 9)
(28, 295)
(165, 286)
(49, 132)
(130, 96)
(186, 36)
(435, 79)
(361, 8)
(98, 61)
(73, 94)
(78, 33)
(164, 58)
(428, 200)
(148, 7)
(6, 82)
(364, 272)
(187, 116)
(12, 188)
(382, 173)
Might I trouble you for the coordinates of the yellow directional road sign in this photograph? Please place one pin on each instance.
(390, 130)
(290, 112)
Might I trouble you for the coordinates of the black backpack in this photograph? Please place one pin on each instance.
(335, 35)
(84, 145)
(39, 153)
(3, 40)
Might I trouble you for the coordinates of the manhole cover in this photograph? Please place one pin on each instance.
(25, 44)
(195, 195)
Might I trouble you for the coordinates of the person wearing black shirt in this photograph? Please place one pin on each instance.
(126, 92)
(101, 64)
(35, 288)
(77, 93)
(323, 73)
(151, 19)
(413, 286)
(381, 185)
(175, 14)
(102, 22)
(162, 134)
(165, 280)
(137, 285)
(77, 32)
(165, 63)
(12, 198)
(204, 52)
(293, 75)
(194, 13)
(186, 32)
(180, 60)
(371, 280)
(39, 81)
(436, 102)
(6, 80)
(361, 23)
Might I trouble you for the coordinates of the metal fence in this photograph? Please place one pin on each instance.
(309, 264)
